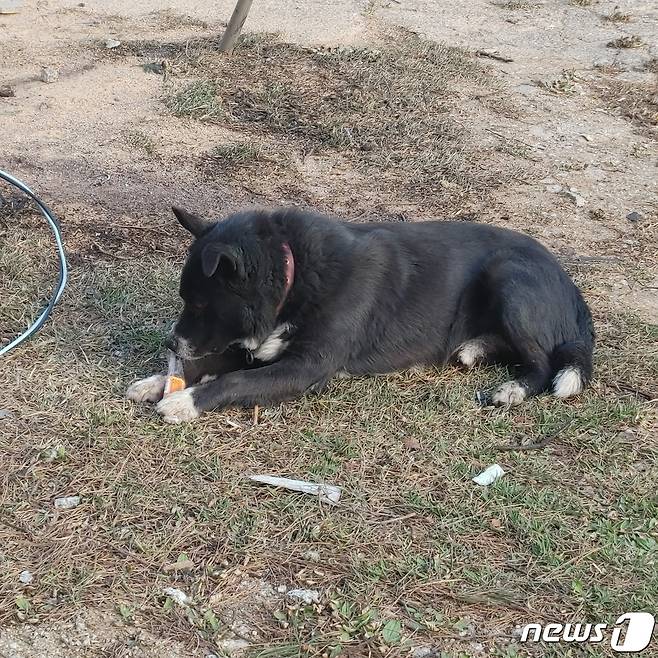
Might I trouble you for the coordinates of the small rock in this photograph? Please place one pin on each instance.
(26, 577)
(233, 645)
(49, 74)
(67, 502)
(7, 92)
(154, 67)
(555, 189)
(282, 589)
(574, 197)
(411, 443)
(5, 413)
(52, 453)
(527, 90)
(423, 652)
(308, 596)
(312, 556)
(112, 43)
(634, 217)
(183, 566)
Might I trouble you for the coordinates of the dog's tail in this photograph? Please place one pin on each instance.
(572, 360)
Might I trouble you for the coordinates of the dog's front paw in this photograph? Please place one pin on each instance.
(178, 407)
(150, 389)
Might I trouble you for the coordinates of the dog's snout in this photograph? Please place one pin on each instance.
(171, 342)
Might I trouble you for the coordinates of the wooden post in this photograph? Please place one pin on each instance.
(234, 28)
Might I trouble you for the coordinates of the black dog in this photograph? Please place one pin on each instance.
(277, 303)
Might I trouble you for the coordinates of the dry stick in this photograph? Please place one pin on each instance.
(540, 445)
(109, 253)
(239, 16)
(496, 56)
(624, 386)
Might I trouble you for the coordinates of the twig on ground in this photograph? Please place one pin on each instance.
(109, 253)
(490, 55)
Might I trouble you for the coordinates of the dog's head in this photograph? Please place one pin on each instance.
(230, 284)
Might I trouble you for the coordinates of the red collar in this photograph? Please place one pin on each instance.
(289, 271)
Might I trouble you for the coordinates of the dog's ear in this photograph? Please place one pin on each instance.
(193, 223)
(221, 257)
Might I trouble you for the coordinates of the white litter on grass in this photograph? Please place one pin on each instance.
(177, 595)
(328, 493)
(25, 577)
(308, 596)
(489, 475)
(68, 502)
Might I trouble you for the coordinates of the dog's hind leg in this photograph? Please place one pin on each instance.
(523, 311)
(485, 349)
(534, 376)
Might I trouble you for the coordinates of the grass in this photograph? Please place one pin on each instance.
(197, 100)
(583, 3)
(416, 553)
(140, 141)
(617, 16)
(634, 101)
(242, 155)
(391, 111)
(627, 41)
(565, 84)
(168, 19)
(518, 5)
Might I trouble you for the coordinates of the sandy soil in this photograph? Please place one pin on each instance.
(589, 166)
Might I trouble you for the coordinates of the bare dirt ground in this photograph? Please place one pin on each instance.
(540, 116)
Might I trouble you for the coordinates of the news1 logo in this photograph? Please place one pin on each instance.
(631, 632)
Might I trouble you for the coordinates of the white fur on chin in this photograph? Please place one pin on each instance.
(178, 407)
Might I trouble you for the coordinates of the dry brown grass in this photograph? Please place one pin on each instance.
(617, 16)
(391, 111)
(627, 41)
(416, 554)
(415, 548)
(634, 101)
(518, 5)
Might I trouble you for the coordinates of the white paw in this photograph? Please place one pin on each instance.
(178, 407)
(150, 389)
(471, 352)
(509, 393)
